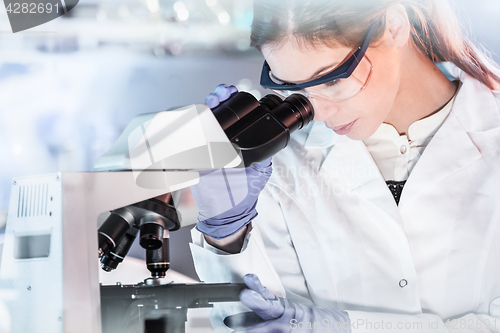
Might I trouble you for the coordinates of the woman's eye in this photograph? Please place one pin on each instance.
(331, 83)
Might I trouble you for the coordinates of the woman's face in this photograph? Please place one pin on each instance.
(357, 117)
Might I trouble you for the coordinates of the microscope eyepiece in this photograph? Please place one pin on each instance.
(260, 129)
(295, 112)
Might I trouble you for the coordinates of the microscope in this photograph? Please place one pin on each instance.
(49, 277)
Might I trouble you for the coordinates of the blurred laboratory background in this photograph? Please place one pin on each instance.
(69, 87)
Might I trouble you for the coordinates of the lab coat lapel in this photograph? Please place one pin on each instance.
(449, 151)
(360, 175)
(453, 148)
(349, 164)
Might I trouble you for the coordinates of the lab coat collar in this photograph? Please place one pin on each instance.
(474, 115)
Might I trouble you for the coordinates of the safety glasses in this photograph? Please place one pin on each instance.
(342, 83)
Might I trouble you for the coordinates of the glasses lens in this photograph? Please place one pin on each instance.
(343, 89)
(337, 90)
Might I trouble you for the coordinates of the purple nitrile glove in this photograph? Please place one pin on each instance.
(279, 315)
(220, 94)
(226, 198)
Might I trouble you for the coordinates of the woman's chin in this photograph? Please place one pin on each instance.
(356, 136)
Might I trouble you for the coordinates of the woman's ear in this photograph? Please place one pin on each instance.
(397, 28)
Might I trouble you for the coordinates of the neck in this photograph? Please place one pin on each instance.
(423, 90)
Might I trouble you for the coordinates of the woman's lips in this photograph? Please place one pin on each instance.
(344, 129)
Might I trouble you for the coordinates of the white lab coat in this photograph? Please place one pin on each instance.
(329, 232)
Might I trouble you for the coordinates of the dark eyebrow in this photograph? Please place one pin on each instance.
(331, 67)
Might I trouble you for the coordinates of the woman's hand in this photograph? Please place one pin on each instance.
(277, 314)
(221, 93)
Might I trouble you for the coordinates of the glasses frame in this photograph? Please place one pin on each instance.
(342, 72)
(320, 96)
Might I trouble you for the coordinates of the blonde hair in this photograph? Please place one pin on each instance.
(435, 29)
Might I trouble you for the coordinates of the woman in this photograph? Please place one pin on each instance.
(352, 232)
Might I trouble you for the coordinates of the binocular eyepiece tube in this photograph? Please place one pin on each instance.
(260, 129)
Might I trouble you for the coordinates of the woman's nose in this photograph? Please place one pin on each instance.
(323, 109)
